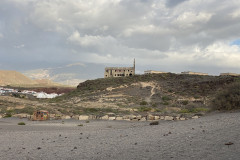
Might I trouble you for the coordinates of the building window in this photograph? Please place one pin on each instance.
(115, 74)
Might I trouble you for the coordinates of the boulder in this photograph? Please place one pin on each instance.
(105, 117)
(1, 116)
(162, 117)
(83, 117)
(67, 117)
(138, 117)
(129, 117)
(92, 117)
(143, 119)
(168, 118)
(195, 117)
(76, 117)
(119, 118)
(176, 118)
(52, 115)
(150, 117)
(112, 118)
(156, 117)
(182, 119)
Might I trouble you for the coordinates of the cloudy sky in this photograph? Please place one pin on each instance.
(165, 35)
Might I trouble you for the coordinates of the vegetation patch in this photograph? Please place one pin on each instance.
(143, 103)
(144, 109)
(228, 99)
(21, 123)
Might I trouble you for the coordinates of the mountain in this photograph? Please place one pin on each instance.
(68, 74)
(14, 78)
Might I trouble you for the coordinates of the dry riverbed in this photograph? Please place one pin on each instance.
(214, 136)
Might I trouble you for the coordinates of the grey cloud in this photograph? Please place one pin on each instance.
(39, 34)
(173, 3)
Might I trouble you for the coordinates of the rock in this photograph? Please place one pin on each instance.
(129, 117)
(143, 119)
(75, 117)
(182, 119)
(21, 115)
(162, 117)
(119, 118)
(168, 118)
(92, 117)
(67, 117)
(138, 117)
(1, 116)
(52, 115)
(105, 117)
(83, 117)
(195, 117)
(150, 117)
(112, 118)
(156, 117)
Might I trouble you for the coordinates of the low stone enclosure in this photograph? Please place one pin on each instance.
(111, 116)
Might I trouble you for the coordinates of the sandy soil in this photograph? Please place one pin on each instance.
(203, 138)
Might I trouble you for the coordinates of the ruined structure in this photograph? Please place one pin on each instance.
(153, 72)
(229, 74)
(194, 73)
(119, 71)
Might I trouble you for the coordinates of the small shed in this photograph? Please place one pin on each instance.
(40, 115)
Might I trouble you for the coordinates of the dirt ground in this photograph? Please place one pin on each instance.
(214, 136)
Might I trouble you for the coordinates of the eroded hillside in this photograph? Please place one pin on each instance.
(145, 93)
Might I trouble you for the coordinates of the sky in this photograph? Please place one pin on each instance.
(163, 35)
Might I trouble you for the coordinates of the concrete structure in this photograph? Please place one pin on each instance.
(194, 73)
(153, 72)
(119, 71)
(229, 74)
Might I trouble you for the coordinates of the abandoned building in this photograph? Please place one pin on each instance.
(119, 71)
(229, 74)
(154, 72)
(194, 73)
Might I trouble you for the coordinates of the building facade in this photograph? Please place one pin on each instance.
(229, 74)
(119, 71)
(194, 73)
(153, 72)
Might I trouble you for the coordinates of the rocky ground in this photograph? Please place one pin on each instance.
(214, 136)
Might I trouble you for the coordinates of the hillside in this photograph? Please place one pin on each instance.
(160, 94)
(146, 93)
(16, 79)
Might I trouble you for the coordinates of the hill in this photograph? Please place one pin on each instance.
(16, 79)
(146, 93)
(159, 94)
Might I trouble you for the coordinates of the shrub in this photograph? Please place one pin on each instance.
(185, 102)
(144, 109)
(154, 123)
(228, 99)
(21, 123)
(166, 98)
(143, 103)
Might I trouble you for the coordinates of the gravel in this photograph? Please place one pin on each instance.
(214, 136)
